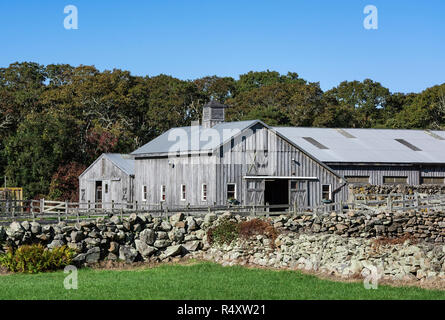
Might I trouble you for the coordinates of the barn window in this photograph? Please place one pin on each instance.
(293, 185)
(358, 179)
(231, 191)
(204, 192)
(144, 193)
(82, 193)
(163, 188)
(326, 193)
(183, 192)
(106, 188)
(432, 180)
(395, 180)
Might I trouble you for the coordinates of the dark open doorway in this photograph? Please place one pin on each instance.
(277, 192)
(98, 194)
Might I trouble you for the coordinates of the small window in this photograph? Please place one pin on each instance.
(82, 193)
(163, 189)
(231, 191)
(395, 180)
(106, 188)
(183, 192)
(293, 185)
(326, 193)
(432, 180)
(251, 185)
(358, 179)
(144, 193)
(204, 192)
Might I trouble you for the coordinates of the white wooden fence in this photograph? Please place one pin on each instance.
(56, 211)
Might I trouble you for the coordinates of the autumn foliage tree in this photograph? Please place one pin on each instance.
(55, 120)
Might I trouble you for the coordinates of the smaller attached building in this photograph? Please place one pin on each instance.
(108, 179)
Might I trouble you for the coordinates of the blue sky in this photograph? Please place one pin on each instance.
(322, 41)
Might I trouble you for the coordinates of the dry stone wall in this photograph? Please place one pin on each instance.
(343, 245)
(400, 188)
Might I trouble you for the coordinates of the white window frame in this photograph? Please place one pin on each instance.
(144, 193)
(204, 195)
(330, 191)
(183, 192)
(235, 191)
(163, 193)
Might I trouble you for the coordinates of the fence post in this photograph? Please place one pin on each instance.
(112, 206)
(88, 208)
(78, 214)
(42, 206)
(389, 202)
(31, 208)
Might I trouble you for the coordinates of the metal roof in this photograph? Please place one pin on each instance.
(124, 161)
(194, 138)
(369, 145)
(324, 144)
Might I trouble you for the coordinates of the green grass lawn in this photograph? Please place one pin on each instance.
(197, 281)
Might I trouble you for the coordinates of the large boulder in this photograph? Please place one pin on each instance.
(26, 225)
(127, 253)
(176, 218)
(191, 224)
(144, 249)
(192, 246)
(162, 243)
(166, 226)
(76, 236)
(15, 231)
(114, 247)
(93, 255)
(173, 251)
(148, 236)
(115, 219)
(35, 227)
(209, 218)
(134, 219)
(56, 244)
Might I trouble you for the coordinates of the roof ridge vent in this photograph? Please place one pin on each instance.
(434, 135)
(345, 133)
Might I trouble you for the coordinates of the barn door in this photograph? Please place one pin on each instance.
(254, 192)
(298, 193)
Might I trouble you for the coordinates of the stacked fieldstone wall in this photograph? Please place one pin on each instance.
(347, 245)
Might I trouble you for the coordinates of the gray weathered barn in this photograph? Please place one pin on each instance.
(253, 163)
(109, 178)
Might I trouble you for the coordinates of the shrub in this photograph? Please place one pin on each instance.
(36, 258)
(225, 232)
(257, 226)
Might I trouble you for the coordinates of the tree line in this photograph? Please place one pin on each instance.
(55, 120)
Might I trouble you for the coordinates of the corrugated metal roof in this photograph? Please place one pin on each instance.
(369, 145)
(194, 138)
(124, 161)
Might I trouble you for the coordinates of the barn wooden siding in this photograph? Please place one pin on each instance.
(376, 173)
(229, 164)
(172, 173)
(274, 156)
(120, 184)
